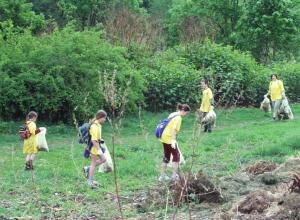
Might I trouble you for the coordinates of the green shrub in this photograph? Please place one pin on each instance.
(53, 75)
(231, 73)
(170, 80)
(290, 74)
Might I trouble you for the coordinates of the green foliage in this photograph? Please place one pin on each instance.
(231, 73)
(86, 13)
(290, 74)
(188, 23)
(21, 16)
(170, 81)
(267, 27)
(54, 74)
(196, 20)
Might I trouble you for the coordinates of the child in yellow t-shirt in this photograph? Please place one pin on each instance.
(30, 144)
(207, 101)
(96, 155)
(277, 93)
(168, 139)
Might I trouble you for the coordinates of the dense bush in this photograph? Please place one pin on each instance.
(53, 74)
(290, 74)
(231, 73)
(170, 80)
(235, 78)
(56, 74)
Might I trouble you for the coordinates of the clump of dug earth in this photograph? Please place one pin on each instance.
(278, 201)
(191, 187)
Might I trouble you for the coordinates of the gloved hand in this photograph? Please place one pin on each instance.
(38, 131)
(174, 144)
(100, 152)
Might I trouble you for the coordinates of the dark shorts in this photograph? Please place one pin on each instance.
(168, 150)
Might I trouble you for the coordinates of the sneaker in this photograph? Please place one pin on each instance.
(27, 166)
(163, 178)
(86, 170)
(31, 165)
(93, 184)
(175, 177)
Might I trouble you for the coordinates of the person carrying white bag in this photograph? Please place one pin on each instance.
(171, 127)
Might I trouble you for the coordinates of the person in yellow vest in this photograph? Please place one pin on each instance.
(277, 93)
(168, 139)
(206, 104)
(96, 154)
(30, 144)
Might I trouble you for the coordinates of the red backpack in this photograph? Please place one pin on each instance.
(24, 132)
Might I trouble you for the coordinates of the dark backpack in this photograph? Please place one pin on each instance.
(161, 126)
(24, 132)
(84, 136)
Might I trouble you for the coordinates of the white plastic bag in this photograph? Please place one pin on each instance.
(210, 117)
(265, 105)
(108, 165)
(41, 140)
(285, 109)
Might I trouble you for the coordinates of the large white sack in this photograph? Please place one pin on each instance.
(41, 140)
(265, 105)
(285, 109)
(108, 165)
(210, 117)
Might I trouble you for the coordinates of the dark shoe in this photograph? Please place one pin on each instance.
(27, 166)
(86, 170)
(31, 165)
(93, 184)
(209, 131)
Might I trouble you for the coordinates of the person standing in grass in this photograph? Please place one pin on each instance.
(206, 104)
(30, 143)
(96, 155)
(277, 93)
(168, 139)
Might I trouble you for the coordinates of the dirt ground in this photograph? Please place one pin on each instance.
(259, 191)
(262, 195)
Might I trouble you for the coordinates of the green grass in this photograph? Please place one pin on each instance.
(57, 188)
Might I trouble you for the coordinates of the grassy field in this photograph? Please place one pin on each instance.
(57, 188)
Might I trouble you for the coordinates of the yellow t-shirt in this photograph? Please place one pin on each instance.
(175, 123)
(30, 144)
(275, 89)
(207, 96)
(95, 132)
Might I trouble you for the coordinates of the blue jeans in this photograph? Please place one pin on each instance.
(276, 105)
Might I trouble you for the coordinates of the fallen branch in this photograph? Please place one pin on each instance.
(294, 184)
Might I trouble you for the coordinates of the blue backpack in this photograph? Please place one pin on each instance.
(84, 137)
(161, 126)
